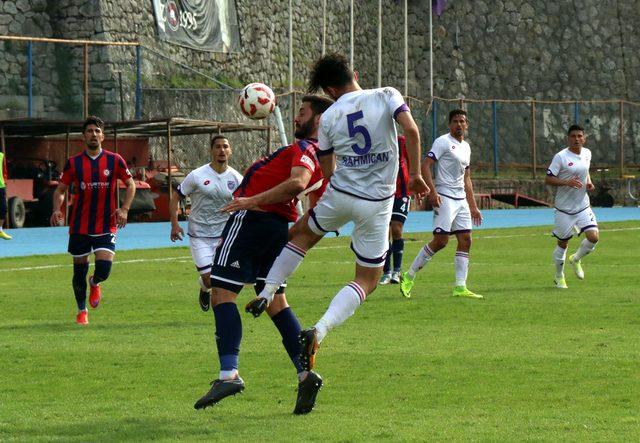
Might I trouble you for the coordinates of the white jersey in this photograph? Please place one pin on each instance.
(209, 191)
(360, 129)
(566, 165)
(452, 158)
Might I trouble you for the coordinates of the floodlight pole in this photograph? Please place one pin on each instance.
(351, 36)
(290, 45)
(406, 49)
(324, 26)
(431, 50)
(379, 43)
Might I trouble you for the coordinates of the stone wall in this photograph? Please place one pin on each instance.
(511, 49)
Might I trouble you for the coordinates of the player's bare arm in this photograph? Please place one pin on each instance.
(476, 215)
(590, 186)
(58, 198)
(573, 182)
(287, 190)
(177, 233)
(122, 212)
(327, 164)
(416, 182)
(433, 197)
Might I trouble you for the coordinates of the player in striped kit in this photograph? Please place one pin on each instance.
(95, 215)
(211, 187)
(454, 207)
(569, 173)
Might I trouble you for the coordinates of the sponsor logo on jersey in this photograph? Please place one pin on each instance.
(570, 163)
(367, 159)
(307, 161)
(95, 185)
(453, 146)
(235, 264)
(206, 182)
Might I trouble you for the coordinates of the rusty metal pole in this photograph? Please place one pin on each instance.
(294, 111)
(268, 140)
(86, 80)
(169, 149)
(533, 139)
(67, 151)
(621, 138)
(115, 149)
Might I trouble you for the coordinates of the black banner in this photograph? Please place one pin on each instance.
(206, 25)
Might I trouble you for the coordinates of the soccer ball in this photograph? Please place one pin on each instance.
(257, 101)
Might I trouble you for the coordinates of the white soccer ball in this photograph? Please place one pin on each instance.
(257, 101)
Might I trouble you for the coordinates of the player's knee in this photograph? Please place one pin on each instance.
(101, 271)
(593, 236)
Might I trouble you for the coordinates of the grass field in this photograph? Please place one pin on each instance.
(529, 363)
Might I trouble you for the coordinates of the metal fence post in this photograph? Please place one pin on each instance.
(495, 138)
(533, 139)
(138, 83)
(621, 138)
(434, 110)
(85, 81)
(29, 79)
(576, 112)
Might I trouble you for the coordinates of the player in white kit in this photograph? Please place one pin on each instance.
(210, 187)
(454, 206)
(569, 171)
(358, 152)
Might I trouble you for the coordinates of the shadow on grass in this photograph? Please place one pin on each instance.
(68, 326)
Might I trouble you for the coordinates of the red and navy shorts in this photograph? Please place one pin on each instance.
(250, 243)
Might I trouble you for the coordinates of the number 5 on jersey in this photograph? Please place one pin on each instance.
(355, 129)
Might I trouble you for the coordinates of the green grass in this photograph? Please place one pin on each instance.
(529, 363)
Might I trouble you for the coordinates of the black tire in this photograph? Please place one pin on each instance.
(17, 213)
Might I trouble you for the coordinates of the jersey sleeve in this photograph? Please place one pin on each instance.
(436, 150)
(187, 186)
(555, 166)
(325, 144)
(395, 102)
(123, 171)
(303, 158)
(68, 174)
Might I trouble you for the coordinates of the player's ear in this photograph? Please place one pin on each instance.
(356, 75)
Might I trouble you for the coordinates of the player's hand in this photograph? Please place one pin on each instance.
(434, 199)
(121, 215)
(176, 233)
(239, 204)
(590, 186)
(418, 187)
(56, 218)
(574, 183)
(476, 217)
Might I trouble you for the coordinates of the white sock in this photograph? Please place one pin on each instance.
(559, 255)
(343, 305)
(228, 375)
(461, 264)
(420, 261)
(586, 247)
(287, 262)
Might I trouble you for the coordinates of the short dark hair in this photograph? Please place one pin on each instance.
(457, 112)
(575, 127)
(216, 137)
(330, 70)
(318, 103)
(93, 120)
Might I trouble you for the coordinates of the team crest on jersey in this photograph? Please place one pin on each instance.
(206, 182)
(106, 173)
(83, 186)
(231, 185)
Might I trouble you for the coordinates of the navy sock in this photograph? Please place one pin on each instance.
(79, 283)
(101, 271)
(397, 248)
(387, 262)
(228, 335)
(289, 327)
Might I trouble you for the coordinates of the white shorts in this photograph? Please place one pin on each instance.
(568, 224)
(202, 251)
(452, 217)
(370, 237)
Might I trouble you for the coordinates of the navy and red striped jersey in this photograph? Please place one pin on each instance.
(402, 181)
(275, 168)
(96, 185)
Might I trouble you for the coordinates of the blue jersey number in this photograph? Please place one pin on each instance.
(358, 129)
